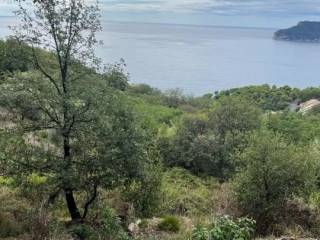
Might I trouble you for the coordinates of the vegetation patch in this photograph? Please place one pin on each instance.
(170, 224)
(226, 228)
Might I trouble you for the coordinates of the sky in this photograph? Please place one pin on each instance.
(245, 13)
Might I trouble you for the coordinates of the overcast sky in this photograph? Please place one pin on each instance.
(248, 13)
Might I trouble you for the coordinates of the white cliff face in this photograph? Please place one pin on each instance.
(309, 106)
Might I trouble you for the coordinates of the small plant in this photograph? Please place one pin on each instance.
(111, 226)
(143, 224)
(200, 233)
(170, 224)
(314, 200)
(82, 232)
(226, 228)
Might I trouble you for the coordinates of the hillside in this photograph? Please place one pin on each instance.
(85, 155)
(305, 31)
(201, 158)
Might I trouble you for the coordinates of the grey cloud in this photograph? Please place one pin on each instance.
(216, 6)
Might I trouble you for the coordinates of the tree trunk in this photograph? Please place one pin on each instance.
(72, 206)
(71, 203)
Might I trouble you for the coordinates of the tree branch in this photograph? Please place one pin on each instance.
(90, 201)
(47, 75)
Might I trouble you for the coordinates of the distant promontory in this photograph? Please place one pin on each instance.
(305, 31)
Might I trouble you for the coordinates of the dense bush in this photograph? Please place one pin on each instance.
(170, 224)
(146, 194)
(13, 213)
(204, 143)
(272, 172)
(265, 96)
(226, 228)
(186, 194)
(144, 89)
(116, 77)
(309, 93)
(14, 56)
(109, 227)
(294, 127)
(82, 232)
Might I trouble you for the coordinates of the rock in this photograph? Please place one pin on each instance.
(293, 238)
(286, 238)
(309, 106)
(306, 31)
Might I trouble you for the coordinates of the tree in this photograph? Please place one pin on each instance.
(205, 143)
(116, 76)
(230, 121)
(265, 96)
(233, 115)
(295, 127)
(96, 137)
(14, 56)
(272, 172)
(178, 150)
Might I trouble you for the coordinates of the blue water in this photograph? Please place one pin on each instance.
(205, 59)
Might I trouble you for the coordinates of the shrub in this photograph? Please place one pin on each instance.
(314, 200)
(9, 227)
(200, 233)
(186, 194)
(273, 171)
(145, 194)
(143, 224)
(226, 228)
(116, 76)
(111, 224)
(111, 227)
(82, 231)
(143, 89)
(170, 224)
(39, 223)
(13, 213)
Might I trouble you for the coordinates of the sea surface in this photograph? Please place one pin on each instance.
(203, 59)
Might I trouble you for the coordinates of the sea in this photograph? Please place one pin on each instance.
(204, 59)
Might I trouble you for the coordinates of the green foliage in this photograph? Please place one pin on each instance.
(110, 223)
(13, 213)
(6, 181)
(176, 150)
(8, 227)
(272, 171)
(174, 98)
(204, 143)
(200, 233)
(314, 200)
(309, 93)
(170, 224)
(144, 89)
(75, 131)
(111, 227)
(14, 56)
(146, 193)
(234, 115)
(82, 232)
(295, 127)
(225, 228)
(116, 77)
(143, 224)
(153, 114)
(264, 96)
(184, 193)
